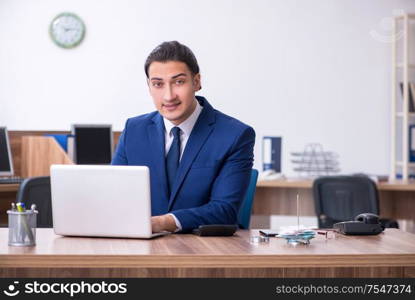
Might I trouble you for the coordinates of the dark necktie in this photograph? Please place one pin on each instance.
(173, 158)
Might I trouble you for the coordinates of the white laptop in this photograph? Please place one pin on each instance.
(106, 201)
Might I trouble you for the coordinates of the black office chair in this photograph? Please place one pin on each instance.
(342, 198)
(36, 190)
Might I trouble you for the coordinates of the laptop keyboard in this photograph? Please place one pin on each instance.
(11, 180)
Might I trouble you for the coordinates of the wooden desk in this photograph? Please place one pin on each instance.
(277, 197)
(9, 188)
(8, 193)
(391, 254)
(397, 185)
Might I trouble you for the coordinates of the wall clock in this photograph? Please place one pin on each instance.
(67, 30)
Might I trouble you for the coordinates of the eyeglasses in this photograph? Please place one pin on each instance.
(328, 233)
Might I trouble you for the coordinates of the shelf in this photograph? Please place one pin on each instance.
(402, 65)
(411, 114)
(411, 164)
(402, 62)
(401, 17)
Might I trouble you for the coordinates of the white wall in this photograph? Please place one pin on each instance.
(310, 71)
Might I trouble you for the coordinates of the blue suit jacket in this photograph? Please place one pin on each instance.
(214, 170)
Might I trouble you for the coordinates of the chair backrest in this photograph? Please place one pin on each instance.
(342, 198)
(244, 215)
(36, 190)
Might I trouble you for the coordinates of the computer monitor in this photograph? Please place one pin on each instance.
(92, 144)
(6, 162)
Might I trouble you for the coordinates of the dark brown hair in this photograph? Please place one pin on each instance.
(172, 51)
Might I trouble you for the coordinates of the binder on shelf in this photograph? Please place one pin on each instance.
(412, 93)
(411, 143)
(271, 153)
(411, 99)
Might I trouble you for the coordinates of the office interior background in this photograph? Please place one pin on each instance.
(309, 71)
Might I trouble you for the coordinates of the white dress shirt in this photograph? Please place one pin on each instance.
(186, 128)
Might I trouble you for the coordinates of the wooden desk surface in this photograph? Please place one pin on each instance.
(397, 185)
(392, 248)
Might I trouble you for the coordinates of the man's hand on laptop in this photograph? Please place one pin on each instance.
(163, 223)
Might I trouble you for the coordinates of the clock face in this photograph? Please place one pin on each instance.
(67, 30)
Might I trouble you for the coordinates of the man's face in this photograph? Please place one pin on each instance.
(172, 87)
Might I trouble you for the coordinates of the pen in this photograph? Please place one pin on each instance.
(21, 208)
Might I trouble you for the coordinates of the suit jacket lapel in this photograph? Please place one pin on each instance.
(199, 135)
(155, 131)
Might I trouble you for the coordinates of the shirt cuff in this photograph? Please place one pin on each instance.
(178, 225)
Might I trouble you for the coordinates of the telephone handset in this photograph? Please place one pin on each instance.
(364, 224)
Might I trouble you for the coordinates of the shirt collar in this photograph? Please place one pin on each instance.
(187, 125)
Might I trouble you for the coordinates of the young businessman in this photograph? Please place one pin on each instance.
(200, 159)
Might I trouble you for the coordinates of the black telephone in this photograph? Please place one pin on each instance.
(215, 230)
(364, 224)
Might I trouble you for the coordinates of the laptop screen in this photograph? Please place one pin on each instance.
(6, 165)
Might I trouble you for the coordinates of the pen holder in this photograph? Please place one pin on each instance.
(22, 228)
